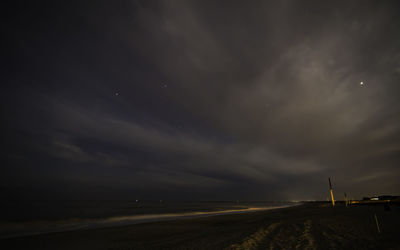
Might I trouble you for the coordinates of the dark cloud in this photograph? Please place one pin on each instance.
(225, 100)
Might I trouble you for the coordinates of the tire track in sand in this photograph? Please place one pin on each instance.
(280, 236)
(292, 236)
(306, 240)
(253, 241)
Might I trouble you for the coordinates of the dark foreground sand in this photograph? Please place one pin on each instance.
(310, 226)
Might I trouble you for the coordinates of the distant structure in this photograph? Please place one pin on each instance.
(382, 198)
(330, 189)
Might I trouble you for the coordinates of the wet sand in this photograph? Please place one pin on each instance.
(310, 226)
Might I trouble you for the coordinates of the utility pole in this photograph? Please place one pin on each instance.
(330, 188)
(345, 199)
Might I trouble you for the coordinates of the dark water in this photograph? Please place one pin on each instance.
(35, 217)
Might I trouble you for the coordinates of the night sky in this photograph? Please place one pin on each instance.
(200, 100)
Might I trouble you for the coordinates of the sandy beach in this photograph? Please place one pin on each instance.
(309, 226)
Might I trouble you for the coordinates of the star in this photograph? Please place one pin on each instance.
(117, 94)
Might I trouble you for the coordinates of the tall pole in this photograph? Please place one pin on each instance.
(330, 189)
(345, 199)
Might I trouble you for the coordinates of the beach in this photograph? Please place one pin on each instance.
(308, 226)
(191, 124)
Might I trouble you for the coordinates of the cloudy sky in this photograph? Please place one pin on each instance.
(210, 100)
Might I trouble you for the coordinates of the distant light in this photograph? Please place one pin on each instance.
(117, 94)
(361, 83)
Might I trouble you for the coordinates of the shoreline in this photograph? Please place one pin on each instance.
(71, 225)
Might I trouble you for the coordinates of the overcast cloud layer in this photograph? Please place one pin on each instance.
(201, 100)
